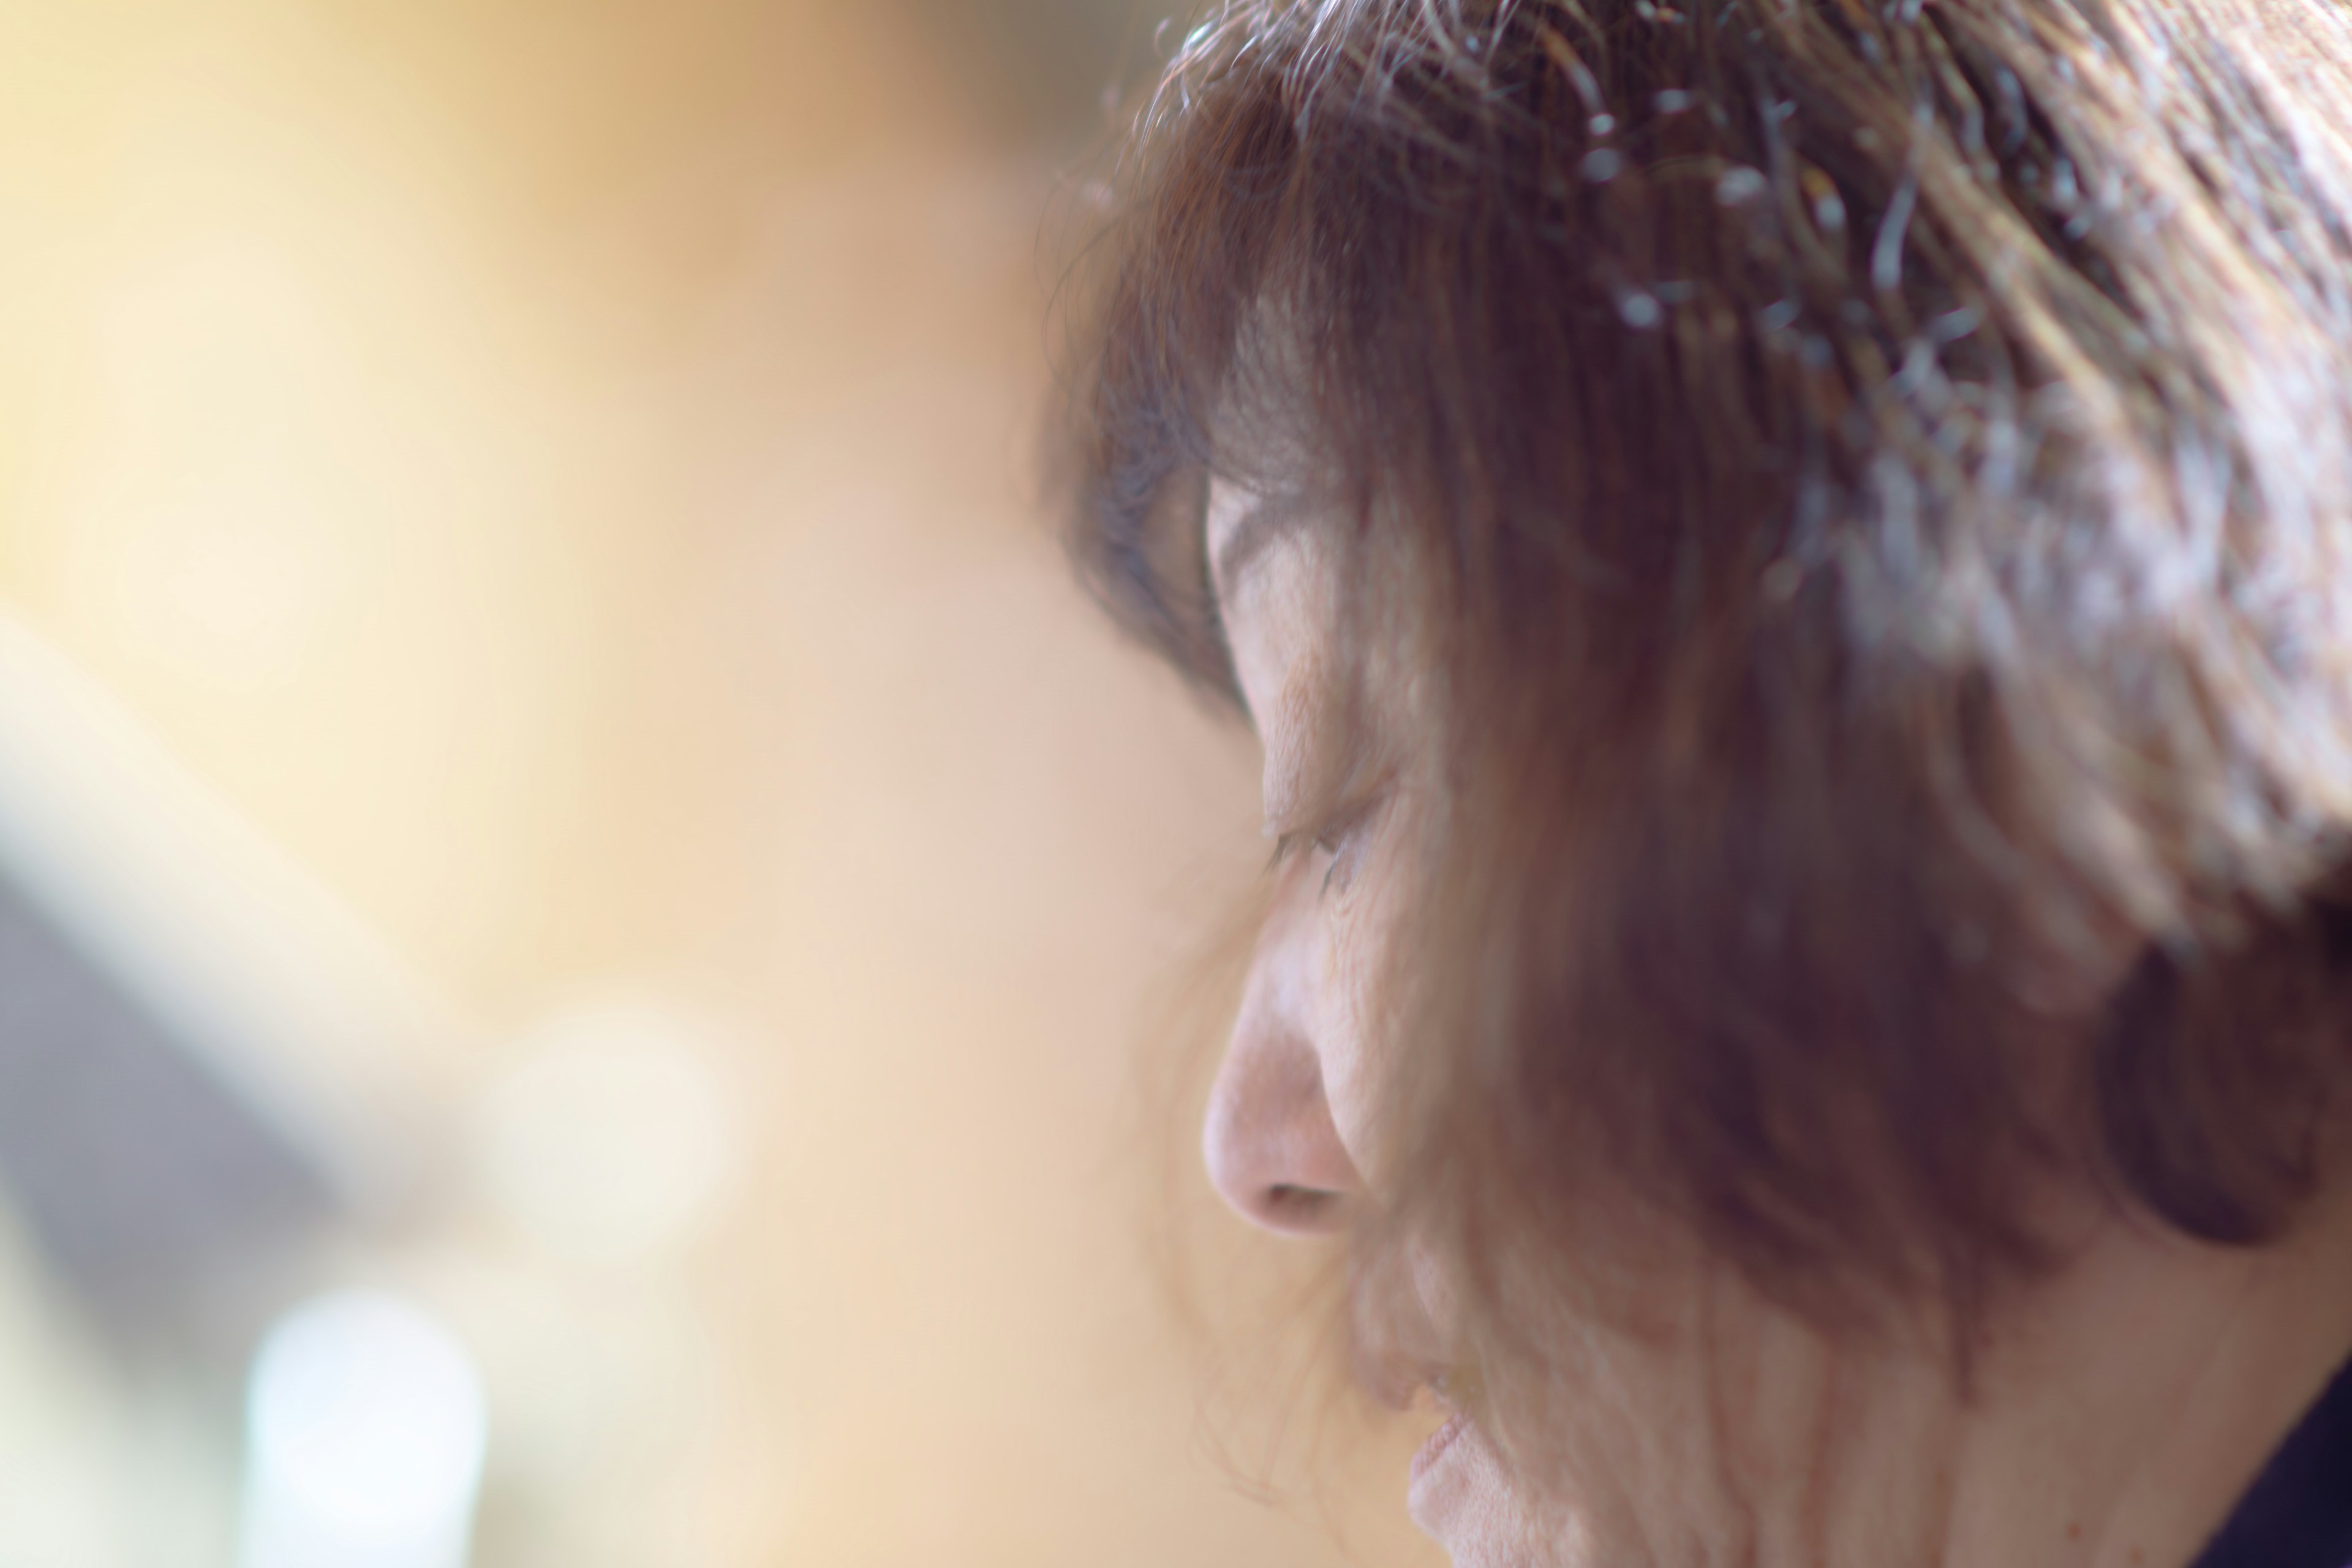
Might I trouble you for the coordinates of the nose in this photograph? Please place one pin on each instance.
(1273, 1149)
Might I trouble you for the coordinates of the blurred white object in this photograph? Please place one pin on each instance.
(366, 1430)
(609, 1138)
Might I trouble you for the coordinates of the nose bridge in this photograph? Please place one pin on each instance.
(1273, 1150)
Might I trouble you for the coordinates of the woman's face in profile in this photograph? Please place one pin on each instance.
(1292, 1120)
(1291, 1133)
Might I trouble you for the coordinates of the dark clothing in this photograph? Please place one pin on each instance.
(2298, 1513)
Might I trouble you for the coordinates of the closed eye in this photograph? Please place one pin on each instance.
(1339, 840)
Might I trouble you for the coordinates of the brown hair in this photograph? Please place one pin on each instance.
(1878, 474)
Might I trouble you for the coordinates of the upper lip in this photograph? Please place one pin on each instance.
(1437, 1443)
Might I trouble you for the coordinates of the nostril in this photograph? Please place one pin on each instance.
(1296, 1208)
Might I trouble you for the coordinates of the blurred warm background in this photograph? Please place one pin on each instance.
(563, 838)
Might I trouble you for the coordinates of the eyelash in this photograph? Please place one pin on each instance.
(1334, 839)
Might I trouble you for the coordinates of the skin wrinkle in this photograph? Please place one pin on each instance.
(1943, 1517)
(1715, 1380)
(1703, 1390)
(1813, 1512)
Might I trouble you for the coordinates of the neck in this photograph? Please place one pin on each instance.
(2118, 1415)
(2123, 1420)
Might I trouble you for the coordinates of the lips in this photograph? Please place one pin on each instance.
(1444, 1438)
